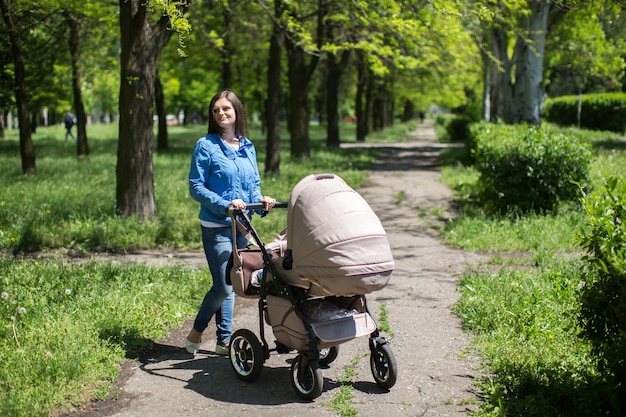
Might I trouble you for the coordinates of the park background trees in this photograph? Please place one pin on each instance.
(291, 62)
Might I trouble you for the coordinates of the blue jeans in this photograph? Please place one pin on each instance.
(219, 301)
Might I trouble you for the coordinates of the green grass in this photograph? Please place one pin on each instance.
(525, 327)
(531, 233)
(342, 402)
(70, 203)
(65, 328)
(521, 306)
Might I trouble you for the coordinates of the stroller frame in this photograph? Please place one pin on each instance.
(247, 353)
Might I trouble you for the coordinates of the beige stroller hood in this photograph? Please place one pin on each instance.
(338, 245)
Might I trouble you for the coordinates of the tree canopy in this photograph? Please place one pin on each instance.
(290, 62)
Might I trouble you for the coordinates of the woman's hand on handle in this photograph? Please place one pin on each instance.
(268, 203)
(238, 204)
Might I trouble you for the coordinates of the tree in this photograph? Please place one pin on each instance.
(302, 58)
(516, 81)
(585, 51)
(361, 110)
(336, 64)
(46, 32)
(82, 147)
(86, 26)
(142, 40)
(415, 42)
(27, 150)
(272, 107)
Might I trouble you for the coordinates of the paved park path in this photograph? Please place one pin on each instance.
(435, 376)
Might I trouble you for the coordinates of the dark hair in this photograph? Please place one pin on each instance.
(240, 123)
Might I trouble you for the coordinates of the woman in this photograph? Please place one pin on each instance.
(223, 173)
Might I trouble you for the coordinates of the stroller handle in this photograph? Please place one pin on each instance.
(261, 206)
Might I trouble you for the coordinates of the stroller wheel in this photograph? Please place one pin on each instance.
(328, 355)
(383, 365)
(306, 378)
(246, 355)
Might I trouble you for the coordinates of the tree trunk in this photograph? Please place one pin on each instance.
(361, 89)
(33, 123)
(82, 147)
(141, 44)
(516, 88)
(503, 91)
(382, 115)
(533, 62)
(299, 78)
(488, 84)
(390, 109)
(368, 116)
(27, 150)
(332, 105)
(299, 106)
(159, 98)
(2, 124)
(272, 108)
(333, 78)
(299, 75)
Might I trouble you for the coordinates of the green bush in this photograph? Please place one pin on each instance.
(458, 129)
(603, 297)
(525, 168)
(598, 111)
(442, 120)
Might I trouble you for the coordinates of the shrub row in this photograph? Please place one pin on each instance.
(605, 111)
(525, 168)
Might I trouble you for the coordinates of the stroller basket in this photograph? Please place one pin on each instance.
(289, 329)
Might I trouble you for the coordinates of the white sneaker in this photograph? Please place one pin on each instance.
(192, 347)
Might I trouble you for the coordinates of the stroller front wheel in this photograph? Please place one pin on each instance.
(306, 378)
(383, 365)
(246, 355)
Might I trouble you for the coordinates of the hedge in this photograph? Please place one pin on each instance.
(605, 111)
(525, 168)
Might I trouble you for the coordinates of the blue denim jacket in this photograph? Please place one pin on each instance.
(220, 174)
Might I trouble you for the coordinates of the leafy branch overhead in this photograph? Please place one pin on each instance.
(174, 10)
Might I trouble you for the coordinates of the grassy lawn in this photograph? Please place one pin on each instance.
(70, 203)
(65, 328)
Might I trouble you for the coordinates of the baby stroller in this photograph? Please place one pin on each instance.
(311, 283)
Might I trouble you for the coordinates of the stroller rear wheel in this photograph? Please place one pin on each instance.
(328, 355)
(383, 364)
(306, 378)
(246, 355)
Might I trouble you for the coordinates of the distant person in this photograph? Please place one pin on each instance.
(70, 121)
(422, 117)
(223, 174)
